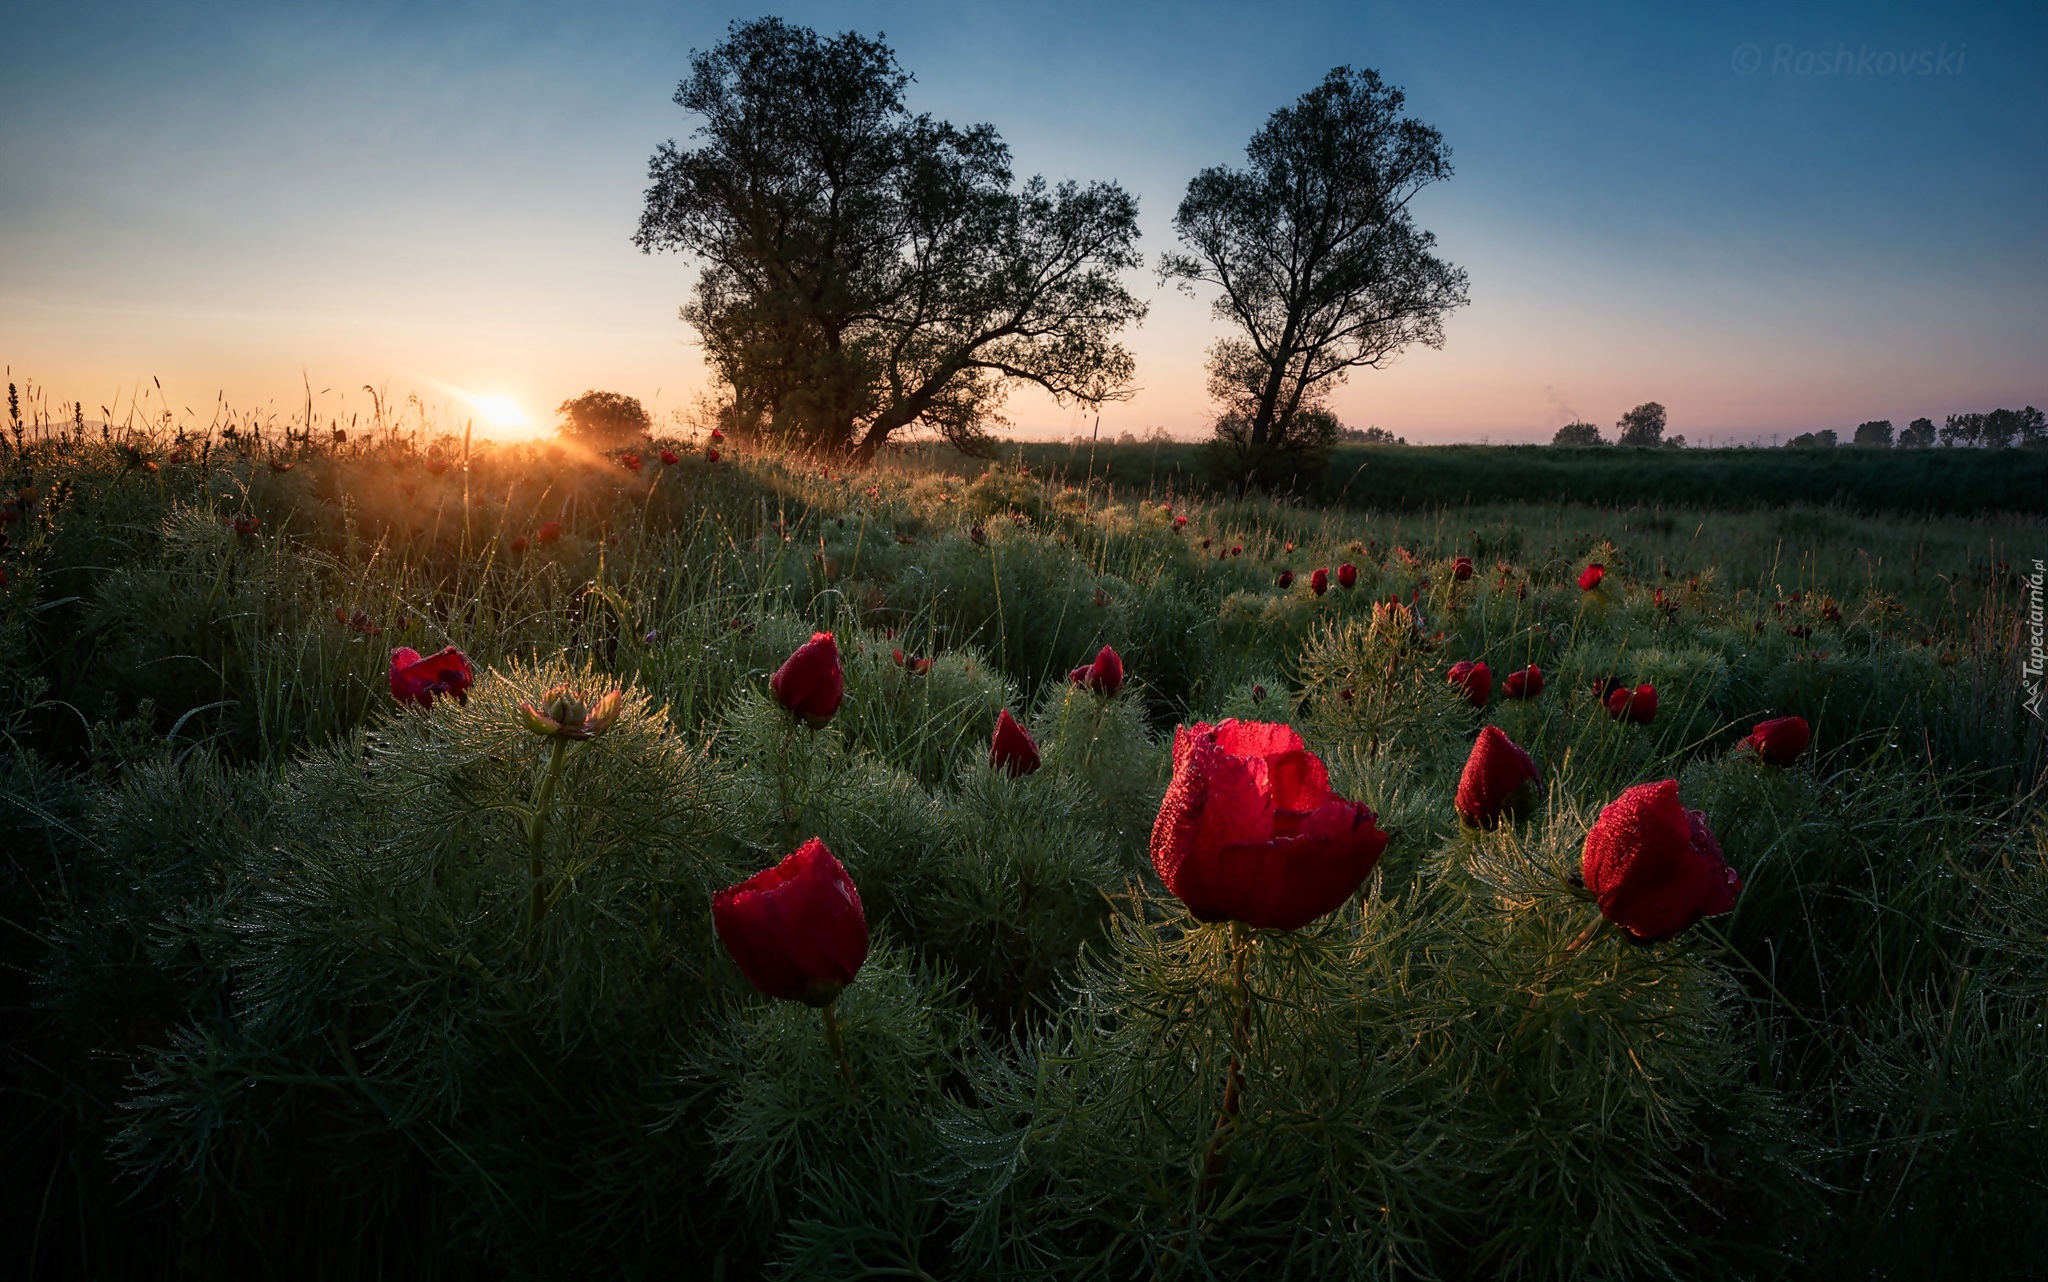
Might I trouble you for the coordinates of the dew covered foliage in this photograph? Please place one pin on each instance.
(301, 983)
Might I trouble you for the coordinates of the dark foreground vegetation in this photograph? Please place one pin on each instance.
(297, 984)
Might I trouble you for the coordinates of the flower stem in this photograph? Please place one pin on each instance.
(536, 833)
(1240, 1050)
(832, 1039)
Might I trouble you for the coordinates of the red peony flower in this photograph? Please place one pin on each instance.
(1319, 582)
(1105, 676)
(247, 525)
(1250, 830)
(417, 680)
(810, 682)
(1013, 749)
(711, 456)
(797, 930)
(1499, 779)
(1347, 576)
(1638, 705)
(717, 435)
(1654, 866)
(1525, 684)
(1286, 579)
(1179, 522)
(1590, 577)
(1461, 569)
(669, 458)
(1779, 741)
(548, 532)
(1475, 679)
(519, 543)
(632, 461)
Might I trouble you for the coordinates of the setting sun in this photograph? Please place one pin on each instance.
(501, 412)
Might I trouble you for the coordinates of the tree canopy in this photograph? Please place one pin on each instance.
(1317, 262)
(1643, 425)
(1578, 432)
(867, 270)
(603, 418)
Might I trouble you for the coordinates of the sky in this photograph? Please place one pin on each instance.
(1770, 218)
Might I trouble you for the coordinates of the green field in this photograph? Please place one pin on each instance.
(301, 983)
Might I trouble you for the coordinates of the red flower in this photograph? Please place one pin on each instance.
(417, 680)
(519, 543)
(1319, 582)
(1286, 579)
(1779, 741)
(1237, 549)
(797, 930)
(1461, 569)
(1654, 866)
(1105, 676)
(711, 456)
(1499, 779)
(1250, 830)
(548, 532)
(1179, 521)
(436, 465)
(1525, 684)
(1591, 576)
(632, 461)
(247, 525)
(1013, 749)
(717, 435)
(911, 663)
(1475, 679)
(1347, 576)
(1638, 705)
(810, 682)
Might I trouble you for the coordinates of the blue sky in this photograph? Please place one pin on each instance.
(1770, 218)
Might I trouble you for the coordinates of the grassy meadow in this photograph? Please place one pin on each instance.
(278, 999)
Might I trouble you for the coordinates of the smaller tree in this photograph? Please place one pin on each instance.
(1875, 435)
(1369, 436)
(1917, 435)
(2033, 428)
(1578, 432)
(603, 419)
(1824, 439)
(1643, 425)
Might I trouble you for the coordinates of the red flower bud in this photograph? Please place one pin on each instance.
(247, 525)
(1319, 582)
(1525, 684)
(797, 930)
(519, 543)
(810, 682)
(1461, 569)
(717, 435)
(1591, 576)
(1179, 521)
(711, 456)
(632, 461)
(548, 532)
(1286, 579)
(1778, 742)
(1013, 749)
(1347, 576)
(1499, 779)
(1105, 676)
(1475, 679)
(1250, 830)
(1638, 705)
(1654, 866)
(669, 458)
(417, 680)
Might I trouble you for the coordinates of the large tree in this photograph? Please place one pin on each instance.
(867, 270)
(1315, 257)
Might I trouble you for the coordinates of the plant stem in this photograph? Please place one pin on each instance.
(1240, 1049)
(830, 1013)
(536, 832)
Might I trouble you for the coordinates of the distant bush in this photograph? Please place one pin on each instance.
(1641, 426)
(604, 418)
(1578, 432)
(1368, 436)
(1875, 435)
(1824, 439)
(1917, 435)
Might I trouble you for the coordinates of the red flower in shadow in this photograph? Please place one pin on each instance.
(797, 930)
(417, 680)
(1654, 866)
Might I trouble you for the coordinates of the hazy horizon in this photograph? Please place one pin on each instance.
(1680, 207)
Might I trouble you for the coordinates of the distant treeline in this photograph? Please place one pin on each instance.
(1421, 477)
